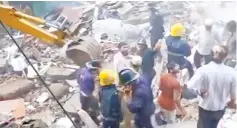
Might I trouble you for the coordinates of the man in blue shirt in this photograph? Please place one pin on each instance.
(86, 80)
(148, 56)
(178, 49)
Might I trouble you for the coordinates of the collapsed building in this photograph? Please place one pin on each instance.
(120, 21)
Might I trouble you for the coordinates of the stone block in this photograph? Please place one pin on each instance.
(15, 88)
(56, 73)
(59, 90)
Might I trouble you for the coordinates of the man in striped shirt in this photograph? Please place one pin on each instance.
(215, 83)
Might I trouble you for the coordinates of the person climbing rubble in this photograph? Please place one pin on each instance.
(86, 79)
(215, 83)
(156, 23)
(148, 56)
(206, 38)
(110, 102)
(170, 95)
(178, 48)
(138, 97)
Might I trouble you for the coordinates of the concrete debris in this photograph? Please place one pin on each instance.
(15, 107)
(43, 97)
(56, 73)
(59, 90)
(3, 64)
(45, 115)
(64, 123)
(116, 30)
(113, 22)
(15, 88)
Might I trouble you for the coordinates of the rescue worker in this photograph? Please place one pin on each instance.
(215, 83)
(148, 58)
(110, 102)
(170, 96)
(136, 63)
(156, 23)
(206, 38)
(86, 79)
(138, 97)
(178, 49)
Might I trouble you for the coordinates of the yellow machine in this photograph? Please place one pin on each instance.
(30, 25)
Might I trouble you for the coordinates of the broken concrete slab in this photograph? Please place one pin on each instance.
(46, 116)
(59, 90)
(73, 101)
(16, 107)
(15, 88)
(125, 10)
(3, 63)
(57, 73)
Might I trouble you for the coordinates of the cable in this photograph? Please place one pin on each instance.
(41, 79)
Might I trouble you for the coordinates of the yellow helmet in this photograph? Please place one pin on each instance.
(177, 29)
(107, 77)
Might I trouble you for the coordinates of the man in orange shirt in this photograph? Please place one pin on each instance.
(170, 96)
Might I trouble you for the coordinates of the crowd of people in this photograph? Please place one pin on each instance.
(125, 92)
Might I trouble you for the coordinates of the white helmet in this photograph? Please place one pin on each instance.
(208, 22)
(136, 60)
(219, 53)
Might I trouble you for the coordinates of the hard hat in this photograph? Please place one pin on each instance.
(107, 77)
(142, 42)
(208, 22)
(219, 53)
(127, 76)
(136, 60)
(94, 64)
(177, 29)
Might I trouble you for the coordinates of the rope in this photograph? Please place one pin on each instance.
(40, 78)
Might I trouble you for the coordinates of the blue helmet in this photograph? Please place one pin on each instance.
(126, 76)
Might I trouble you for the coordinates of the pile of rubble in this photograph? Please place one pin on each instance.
(119, 21)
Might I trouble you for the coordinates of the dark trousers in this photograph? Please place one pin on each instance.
(110, 124)
(198, 57)
(183, 63)
(91, 106)
(142, 122)
(209, 119)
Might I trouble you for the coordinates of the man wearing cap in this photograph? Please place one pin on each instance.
(86, 80)
(148, 56)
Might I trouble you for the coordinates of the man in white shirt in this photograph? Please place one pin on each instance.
(215, 83)
(206, 40)
(121, 60)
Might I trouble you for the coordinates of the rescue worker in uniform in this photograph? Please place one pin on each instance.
(178, 49)
(138, 97)
(86, 79)
(110, 102)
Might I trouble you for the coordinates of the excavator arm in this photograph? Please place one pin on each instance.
(78, 49)
(29, 24)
